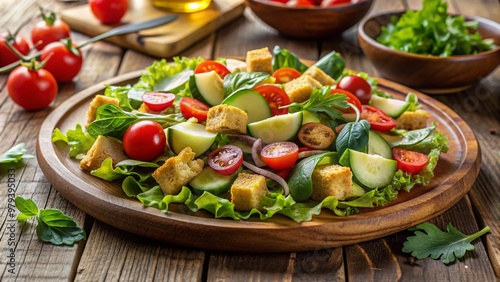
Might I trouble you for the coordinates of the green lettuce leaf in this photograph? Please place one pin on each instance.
(78, 140)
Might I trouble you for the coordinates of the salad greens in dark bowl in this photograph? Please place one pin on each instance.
(429, 49)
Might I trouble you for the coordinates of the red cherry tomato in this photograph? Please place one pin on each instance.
(378, 120)
(300, 3)
(210, 65)
(284, 75)
(409, 161)
(351, 99)
(191, 107)
(280, 155)
(329, 3)
(279, 1)
(32, 89)
(109, 11)
(49, 29)
(8, 57)
(226, 160)
(158, 101)
(357, 86)
(275, 96)
(144, 140)
(63, 60)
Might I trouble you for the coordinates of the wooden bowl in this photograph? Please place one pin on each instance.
(431, 74)
(309, 22)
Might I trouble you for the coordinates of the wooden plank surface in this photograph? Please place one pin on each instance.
(378, 260)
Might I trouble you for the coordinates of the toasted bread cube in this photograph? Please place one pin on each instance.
(410, 120)
(331, 180)
(247, 191)
(259, 60)
(98, 101)
(300, 88)
(144, 109)
(177, 171)
(103, 148)
(226, 119)
(320, 76)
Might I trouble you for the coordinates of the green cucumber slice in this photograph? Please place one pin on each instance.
(378, 146)
(372, 171)
(307, 117)
(250, 101)
(357, 191)
(276, 128)
(189, 134)
(208, 86)
(392, 107)
(210, 181)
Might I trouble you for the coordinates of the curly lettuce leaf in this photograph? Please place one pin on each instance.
(78, 140)
(121, 170)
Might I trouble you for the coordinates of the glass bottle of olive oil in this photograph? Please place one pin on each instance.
(181, 6)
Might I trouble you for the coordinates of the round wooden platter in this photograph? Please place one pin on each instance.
(454, 175)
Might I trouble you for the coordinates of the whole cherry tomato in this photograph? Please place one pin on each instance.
(31, 87)
(8, 57)
(62, 59)
(49, 29)
(357, 86)
(144, 140)
(109, 11)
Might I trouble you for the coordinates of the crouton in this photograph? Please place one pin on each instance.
(226, 119)
(259, 60)
(410, 120)
(98, 101)
(331, 180)
(247, 191)
(300, 88)
(144, 109)
(177, 171)
(103, 148)
(320, 75)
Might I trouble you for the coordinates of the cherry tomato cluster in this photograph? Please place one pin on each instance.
(314, 3)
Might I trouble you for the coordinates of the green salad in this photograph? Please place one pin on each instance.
(294, 147)
(432, 31)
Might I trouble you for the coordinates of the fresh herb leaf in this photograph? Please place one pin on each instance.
(53, 225)
(121, 170)
(113, 121)
(354, 135)
(242, 80)
(321, 102)
(122, 94)
(284, 58)
(175, 83)
(332, 64)
(78, 140)
(430, 241)
(15, 154)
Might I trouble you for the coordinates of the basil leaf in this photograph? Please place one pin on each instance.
(57, 228)
(174, 83)
(26, 207)
(332, 64)
(284, 58)
(353, 136)
(413, 137)
(15, 154)
(242, 80)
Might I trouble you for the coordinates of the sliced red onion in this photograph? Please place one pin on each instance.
(256, 148)
(308, 153)
(269, 175)
(356, 110)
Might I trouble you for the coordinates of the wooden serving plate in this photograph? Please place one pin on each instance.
(454, 175)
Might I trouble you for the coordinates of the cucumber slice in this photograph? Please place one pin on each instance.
(189, 134)
(276, 128)
(372, 171)
(208, 86)
(307, 117)
(378, 146)
(392, 107)
(357, 191)
(250, 101)
(210, 181)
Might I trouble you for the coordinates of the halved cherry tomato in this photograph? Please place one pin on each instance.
(357, 86)
(191, 107)
(329, 3)
(300, 3)
(158, 101)
(275, 96)
(284, 75)
(351, 99)
(409, 161)
(144, 140)
(378, 120)
(210, 65)
(280, 155)
(226, 160)
(316, 135)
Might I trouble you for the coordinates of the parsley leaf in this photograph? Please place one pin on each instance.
(15, 154)
(53, 225)
(321, 101)
(429, 240)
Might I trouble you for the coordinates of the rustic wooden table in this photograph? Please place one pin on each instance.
(110, 254)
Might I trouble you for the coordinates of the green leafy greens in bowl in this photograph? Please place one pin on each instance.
(432, 31)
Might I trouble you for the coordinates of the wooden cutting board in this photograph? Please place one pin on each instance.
(164, 41)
